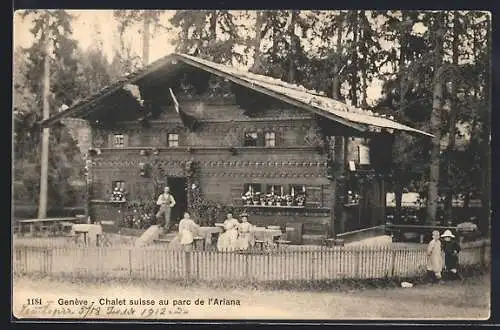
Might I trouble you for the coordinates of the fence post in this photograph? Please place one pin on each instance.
(356, 270)
(187, 259)
(49, 260)
(312, 264)
(393, 264)
(246, 267)
(268, 266)
(130, 262)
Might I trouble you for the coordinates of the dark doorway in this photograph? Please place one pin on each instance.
(178, 188)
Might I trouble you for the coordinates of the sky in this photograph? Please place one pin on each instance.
(94, 27)
(91, 23)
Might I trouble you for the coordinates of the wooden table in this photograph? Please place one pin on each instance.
(91, 231)
(207, 233)
(265, 234)
(33, 223)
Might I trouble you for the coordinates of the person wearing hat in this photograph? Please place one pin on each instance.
(434, 257)
(451, 249)
(245, 236)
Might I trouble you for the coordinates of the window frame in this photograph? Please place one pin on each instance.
(169, 140)
(254, 138)
(268, 138)
(117, 136)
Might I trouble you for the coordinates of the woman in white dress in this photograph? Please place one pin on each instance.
(434, 257)
(245, 235)
(228, 240)
(188, 229)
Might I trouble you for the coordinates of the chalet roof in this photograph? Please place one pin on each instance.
(362, 120)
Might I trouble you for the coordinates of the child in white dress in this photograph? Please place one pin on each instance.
(245, 235)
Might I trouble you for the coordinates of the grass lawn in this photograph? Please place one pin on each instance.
(463, 300)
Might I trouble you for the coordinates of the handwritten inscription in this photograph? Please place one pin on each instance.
(115, 307)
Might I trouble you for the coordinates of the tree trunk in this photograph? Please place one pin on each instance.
(402, 64)
(485, 144)
(293, 47)
(453, 116)
(145, 38)
(364, 87)
(44, 170)
(213, 24)
(336, 68)
(257, 64)
(435, 122)
(398, 189)
(398, 195)
(354, 59)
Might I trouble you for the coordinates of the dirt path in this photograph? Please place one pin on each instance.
(464, 300)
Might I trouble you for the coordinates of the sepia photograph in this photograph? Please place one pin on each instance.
(173, 165)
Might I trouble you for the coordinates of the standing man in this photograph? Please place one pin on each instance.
(166, 202)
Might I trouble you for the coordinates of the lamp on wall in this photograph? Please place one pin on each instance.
(156, 151)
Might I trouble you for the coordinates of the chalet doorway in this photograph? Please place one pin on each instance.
(178, 188)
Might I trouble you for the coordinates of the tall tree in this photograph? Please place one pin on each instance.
(64, 89)
(210, 34)
(256, 43)
(438, 28)
(452, 131)
(128, 18)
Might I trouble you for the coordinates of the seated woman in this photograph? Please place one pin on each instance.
(245, 235)
(228, 240)
(188, 229)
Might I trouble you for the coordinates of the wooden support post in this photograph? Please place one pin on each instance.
(44, 171)
(336, 185)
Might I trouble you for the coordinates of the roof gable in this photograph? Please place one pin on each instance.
(359, 119)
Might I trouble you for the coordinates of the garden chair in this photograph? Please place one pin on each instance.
(281, 242)
(108, 228)
(197, 240)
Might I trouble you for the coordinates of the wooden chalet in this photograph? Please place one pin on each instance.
(284, 153)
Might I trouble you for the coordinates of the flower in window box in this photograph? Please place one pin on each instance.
(247, 199)
(300, 200)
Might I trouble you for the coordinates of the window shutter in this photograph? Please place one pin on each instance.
(125, 140)
(260, 139)
(236, 191)
(313, 196)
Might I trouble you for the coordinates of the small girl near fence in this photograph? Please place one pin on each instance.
(451, 249)
(434, 258)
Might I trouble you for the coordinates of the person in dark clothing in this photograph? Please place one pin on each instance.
(451, 249)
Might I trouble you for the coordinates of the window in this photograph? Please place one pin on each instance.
(274, 195)
(118, 141)
(173, 140)
(270, 139)
(252, 193)
(251, 139)
(118, 194)
(274, 189)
